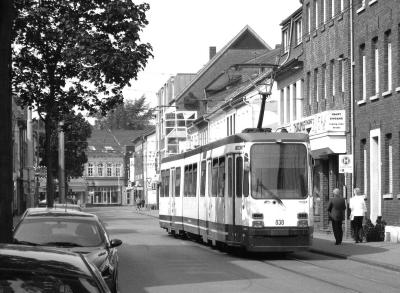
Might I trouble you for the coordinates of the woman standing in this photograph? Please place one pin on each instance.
(358, 210)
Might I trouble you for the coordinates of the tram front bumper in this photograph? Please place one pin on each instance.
(279, 239)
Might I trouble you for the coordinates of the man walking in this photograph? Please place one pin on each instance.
(336, 210)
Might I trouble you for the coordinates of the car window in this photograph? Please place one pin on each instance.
(27, 282)
(43, 231)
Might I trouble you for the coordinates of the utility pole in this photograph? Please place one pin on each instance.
(6, 145)
(31, 172)
(61, 163)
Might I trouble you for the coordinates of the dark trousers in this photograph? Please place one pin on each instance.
(358, 229)
(337, 231)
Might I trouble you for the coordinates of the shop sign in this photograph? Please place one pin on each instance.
(328, 121)
(345, 163)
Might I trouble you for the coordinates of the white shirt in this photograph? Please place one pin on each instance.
(357, 206)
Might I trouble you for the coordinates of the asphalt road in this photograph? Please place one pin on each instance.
(153, 261)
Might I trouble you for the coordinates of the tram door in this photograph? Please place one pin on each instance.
(238, 206)
(230, 198)
(172, 196)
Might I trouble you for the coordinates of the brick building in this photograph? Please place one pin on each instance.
(377, 106)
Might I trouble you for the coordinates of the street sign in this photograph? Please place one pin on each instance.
(345, 163)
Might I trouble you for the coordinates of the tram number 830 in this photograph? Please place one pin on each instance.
(279, 222)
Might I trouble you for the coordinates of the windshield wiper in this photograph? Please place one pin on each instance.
(69, 244)
(274, 196)
(16, 241)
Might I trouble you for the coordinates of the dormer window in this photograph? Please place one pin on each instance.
(92, 148)
(285, 40)
(108, 148)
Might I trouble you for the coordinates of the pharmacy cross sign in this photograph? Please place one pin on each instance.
(345, 163)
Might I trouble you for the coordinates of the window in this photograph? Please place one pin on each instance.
(282, 106)
(324, 9)
(287, 105)
(246, 171)
(333, 78)
(118, 170)
(203, 179)
(341, 74)
(162, 183)
(100, 170)
(388, 61)
(316, 14)
(109, 169)
(108, 148)
(230, 177)
(167, 175)
(194, 180)
(308, 11)
(341, 5)
(363, 73)
(285, 40)
(186, 179)
(221, 177)
(333, 8)
(375, 67)
(209, 179)
(389, 163)
(293, 103)
(308, 88)
(90, 169)
(299, 31)
(323, 81)
(178, 182)
(239, 176)
(214, 190)
(316, 89)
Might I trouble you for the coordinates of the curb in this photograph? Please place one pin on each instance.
(357, 259)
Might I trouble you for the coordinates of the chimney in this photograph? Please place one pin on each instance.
(213, 51)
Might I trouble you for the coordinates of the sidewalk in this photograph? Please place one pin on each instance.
(381, 254)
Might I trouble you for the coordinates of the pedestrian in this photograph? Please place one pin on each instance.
(142, 203)
(358, 209)
(336, 210)
(138, 203)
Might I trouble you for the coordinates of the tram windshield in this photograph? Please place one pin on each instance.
(279, 171)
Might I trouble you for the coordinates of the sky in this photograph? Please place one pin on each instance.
(181, 32)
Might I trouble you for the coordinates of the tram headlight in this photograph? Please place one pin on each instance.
(302, 220)
(258, 224)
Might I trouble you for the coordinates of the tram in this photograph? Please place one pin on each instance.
(251, 190)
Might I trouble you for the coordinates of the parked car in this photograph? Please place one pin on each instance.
(73, 231)
(26, 269)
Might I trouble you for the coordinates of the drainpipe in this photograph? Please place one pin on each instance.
(352, 91)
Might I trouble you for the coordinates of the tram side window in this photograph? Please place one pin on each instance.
(239, 176)
(186, 181)
(215, 176)
(221, 177)
(194, 185)
(190, 178)
(166, 191)
(178, 182)
(209, 178)
(230, 177)
(246, 172)
(203, 179)
(162, 183)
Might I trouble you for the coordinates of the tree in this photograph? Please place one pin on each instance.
(131, 115)
(6, 182)
(71, 54)
(76, 130)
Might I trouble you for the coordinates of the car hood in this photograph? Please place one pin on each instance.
(96, 255)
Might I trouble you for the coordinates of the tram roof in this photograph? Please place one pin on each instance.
(242, 137)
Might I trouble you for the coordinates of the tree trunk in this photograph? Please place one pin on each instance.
(49, 161)
(6, 144)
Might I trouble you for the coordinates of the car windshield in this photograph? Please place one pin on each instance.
(279, 171)
(27, 282)
(58, 232)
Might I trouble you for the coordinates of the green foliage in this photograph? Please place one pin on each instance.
(374, 233)
(131, 115)
(76, 132)
(77, 53)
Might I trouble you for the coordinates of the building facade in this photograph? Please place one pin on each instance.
(377, 107)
